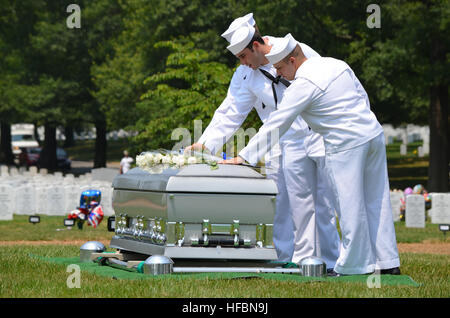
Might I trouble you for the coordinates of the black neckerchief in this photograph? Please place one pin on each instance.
(275, 80)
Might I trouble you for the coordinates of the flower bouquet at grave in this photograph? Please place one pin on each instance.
(155, 161)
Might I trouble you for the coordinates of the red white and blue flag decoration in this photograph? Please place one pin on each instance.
(96, 216)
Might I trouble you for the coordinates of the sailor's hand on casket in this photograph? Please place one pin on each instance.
(233, 161)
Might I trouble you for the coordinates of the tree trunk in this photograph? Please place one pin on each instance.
(438, 170)
(100, 144)
(68, 133)
(48, 158)
(36, 134)
(6, 154)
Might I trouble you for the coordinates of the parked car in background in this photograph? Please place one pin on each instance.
(63, 159)
(30, 157)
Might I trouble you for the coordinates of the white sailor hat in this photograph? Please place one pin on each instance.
(241, 38)
(236, 24)
(281, 47)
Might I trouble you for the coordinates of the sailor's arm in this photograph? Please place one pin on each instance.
(228, 117)
(295, 100)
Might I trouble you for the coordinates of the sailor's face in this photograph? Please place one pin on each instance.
(286, 69)
(250, 58)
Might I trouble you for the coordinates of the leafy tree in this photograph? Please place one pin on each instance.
(60, 63)
(14, 79)
(120, 79)
(405, 66)
(190, 88)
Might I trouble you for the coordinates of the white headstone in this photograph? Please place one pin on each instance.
(425, 136)
(41, 199)
(403, 149)
(33, 170)
(440, 203)
(25, 200)
(58, 175)
(107, 200)
(56, 200)
(84, 186)
(13, 171)
(404, 136)
(69, 178)
(22, 170)
(390, 140)
(7, 202)
(27, 174)
(426, 148)
(72, 197)
(4, 171)
(420, 152)
(415, 211)
(43, 171)
(396, 204)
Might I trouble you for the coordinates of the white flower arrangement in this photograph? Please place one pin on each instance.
(156, 161)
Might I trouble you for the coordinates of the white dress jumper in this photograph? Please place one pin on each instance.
(329, 97)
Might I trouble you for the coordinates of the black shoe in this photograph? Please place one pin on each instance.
(390, 271)
(332, 273)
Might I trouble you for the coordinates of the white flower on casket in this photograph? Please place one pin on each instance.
(140, 160)
(179, 160)
(148, 159)
(157, 157)
(192, 160)
(167, 159)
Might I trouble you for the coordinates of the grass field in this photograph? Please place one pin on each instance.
(23, 274)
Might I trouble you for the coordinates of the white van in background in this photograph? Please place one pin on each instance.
(22, 136)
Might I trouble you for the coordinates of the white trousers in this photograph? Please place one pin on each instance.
(361, 188)
(304, 223)
(283, 227)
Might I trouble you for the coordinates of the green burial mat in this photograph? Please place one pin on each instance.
(116, 273)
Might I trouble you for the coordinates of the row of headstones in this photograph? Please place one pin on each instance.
(102, 174)
(415, 213)
(86, 134)
(14, 175)
(12, 171)
(48, 194)
(409, 134)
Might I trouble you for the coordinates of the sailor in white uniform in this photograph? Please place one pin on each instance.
(304, 223)
(329, 97)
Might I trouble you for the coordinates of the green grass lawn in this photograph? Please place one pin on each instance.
(23, 274)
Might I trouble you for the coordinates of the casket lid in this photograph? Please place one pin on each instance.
(196, 178)
(138, 179)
